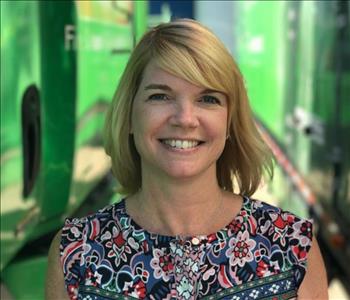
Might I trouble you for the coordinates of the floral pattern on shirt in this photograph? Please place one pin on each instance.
(261, 253)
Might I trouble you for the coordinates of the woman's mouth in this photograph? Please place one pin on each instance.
(181, 144)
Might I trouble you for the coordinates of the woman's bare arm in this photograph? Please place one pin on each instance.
(314, 285)
(55, 288)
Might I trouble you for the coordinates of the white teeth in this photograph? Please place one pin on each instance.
(179, 144)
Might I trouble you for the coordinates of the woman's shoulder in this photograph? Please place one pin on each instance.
(281, 227)
(282, 236)
(80, 236)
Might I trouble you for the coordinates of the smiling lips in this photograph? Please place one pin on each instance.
(181, 144)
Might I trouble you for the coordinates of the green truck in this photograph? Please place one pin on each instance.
(60, 65)
(295, 56)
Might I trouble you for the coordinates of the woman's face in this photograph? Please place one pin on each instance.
(179, 128)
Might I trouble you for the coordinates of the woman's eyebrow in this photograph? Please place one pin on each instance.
(164, 87)
(154, 86)
(210, 91)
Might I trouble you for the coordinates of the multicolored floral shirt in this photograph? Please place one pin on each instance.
(260, 254)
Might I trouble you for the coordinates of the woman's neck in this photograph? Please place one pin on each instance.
(181, 208)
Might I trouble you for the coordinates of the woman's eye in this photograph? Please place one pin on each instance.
(210, 99)
(158, 97)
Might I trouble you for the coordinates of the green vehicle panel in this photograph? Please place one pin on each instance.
(298, 79)
(61, 63)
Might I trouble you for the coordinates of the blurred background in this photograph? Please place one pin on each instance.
(60, 65)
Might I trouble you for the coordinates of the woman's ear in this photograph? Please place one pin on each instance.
(228, 132)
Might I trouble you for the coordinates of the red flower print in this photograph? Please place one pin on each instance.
(299, 252)
(137, 290)
(306, 229)
(119, 240)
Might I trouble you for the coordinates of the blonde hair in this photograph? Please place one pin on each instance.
(188, 50)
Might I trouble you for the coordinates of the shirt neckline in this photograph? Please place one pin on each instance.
(227, 231)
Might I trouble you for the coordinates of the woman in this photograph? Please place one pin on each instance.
(186, 153)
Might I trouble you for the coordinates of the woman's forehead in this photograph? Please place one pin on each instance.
(158, 79)
(155, 74)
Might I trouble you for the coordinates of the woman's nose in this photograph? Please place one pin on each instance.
(185, 115)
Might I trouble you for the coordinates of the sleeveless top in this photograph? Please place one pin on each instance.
(260, 254)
